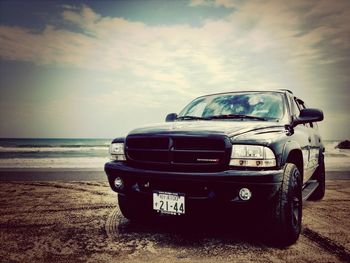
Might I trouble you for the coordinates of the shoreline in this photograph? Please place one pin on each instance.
(52, 174)
(95, 174)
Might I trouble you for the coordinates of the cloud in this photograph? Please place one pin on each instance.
(84, 18)
(201, 2)
(115, 43)
(224, 3)
(261, 44)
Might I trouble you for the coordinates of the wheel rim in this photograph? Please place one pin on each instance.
(296, 211)
(296, 201)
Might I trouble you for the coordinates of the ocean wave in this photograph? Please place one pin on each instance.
(92, 162)
(337, 163)
(337, 155)
(53, 149)
(78, 145)
(336, 159)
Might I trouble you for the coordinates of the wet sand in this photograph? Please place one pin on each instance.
(78, 222)
(52, 174)
(78, 174)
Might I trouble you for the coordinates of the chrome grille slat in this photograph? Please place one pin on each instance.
(147, 150)
(198, 151)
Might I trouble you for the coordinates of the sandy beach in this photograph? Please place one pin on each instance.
(67, 219)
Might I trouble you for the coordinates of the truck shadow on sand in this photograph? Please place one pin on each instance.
(210, 234)
(196, 232)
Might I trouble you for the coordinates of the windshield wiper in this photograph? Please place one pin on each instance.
(192, 118)
(237, 116)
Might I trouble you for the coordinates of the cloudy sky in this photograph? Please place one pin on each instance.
(101, 68)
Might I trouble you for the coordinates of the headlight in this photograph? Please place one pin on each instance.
(252, 156)
(116, 151)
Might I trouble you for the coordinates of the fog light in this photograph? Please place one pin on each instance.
(118, 183)
(245, 194)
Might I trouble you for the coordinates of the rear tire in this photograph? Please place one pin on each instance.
(287, 209)
(320, 176)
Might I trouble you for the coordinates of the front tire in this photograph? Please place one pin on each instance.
(133, 209)
(287, 209)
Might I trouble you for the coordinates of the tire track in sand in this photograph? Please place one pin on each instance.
(327, 244)
(111, 228)
(59, 186)
(81, 208)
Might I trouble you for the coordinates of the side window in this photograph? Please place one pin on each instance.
(295, 108)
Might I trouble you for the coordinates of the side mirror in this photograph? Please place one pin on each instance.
(308, 115)
(171, 117)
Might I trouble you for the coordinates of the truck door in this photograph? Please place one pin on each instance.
(312, 146)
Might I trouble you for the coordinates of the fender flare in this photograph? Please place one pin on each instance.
(287, 149)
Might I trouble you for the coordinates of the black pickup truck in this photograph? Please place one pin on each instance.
(224, 152)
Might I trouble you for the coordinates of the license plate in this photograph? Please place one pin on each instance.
(169, 203)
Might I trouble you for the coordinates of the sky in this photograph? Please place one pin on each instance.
(98, 69)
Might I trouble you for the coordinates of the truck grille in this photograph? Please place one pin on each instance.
(178, 151)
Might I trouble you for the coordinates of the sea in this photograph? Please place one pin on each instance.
(93, 154)
(54, 153)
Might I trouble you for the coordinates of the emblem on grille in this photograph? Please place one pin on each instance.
(208, 160)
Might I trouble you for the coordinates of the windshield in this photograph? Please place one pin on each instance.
(267, 105)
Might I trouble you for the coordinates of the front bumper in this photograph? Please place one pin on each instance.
(222, 187)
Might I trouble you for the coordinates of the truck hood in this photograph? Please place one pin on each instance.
(229, 128)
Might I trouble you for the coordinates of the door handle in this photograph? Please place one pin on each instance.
(309, 139)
